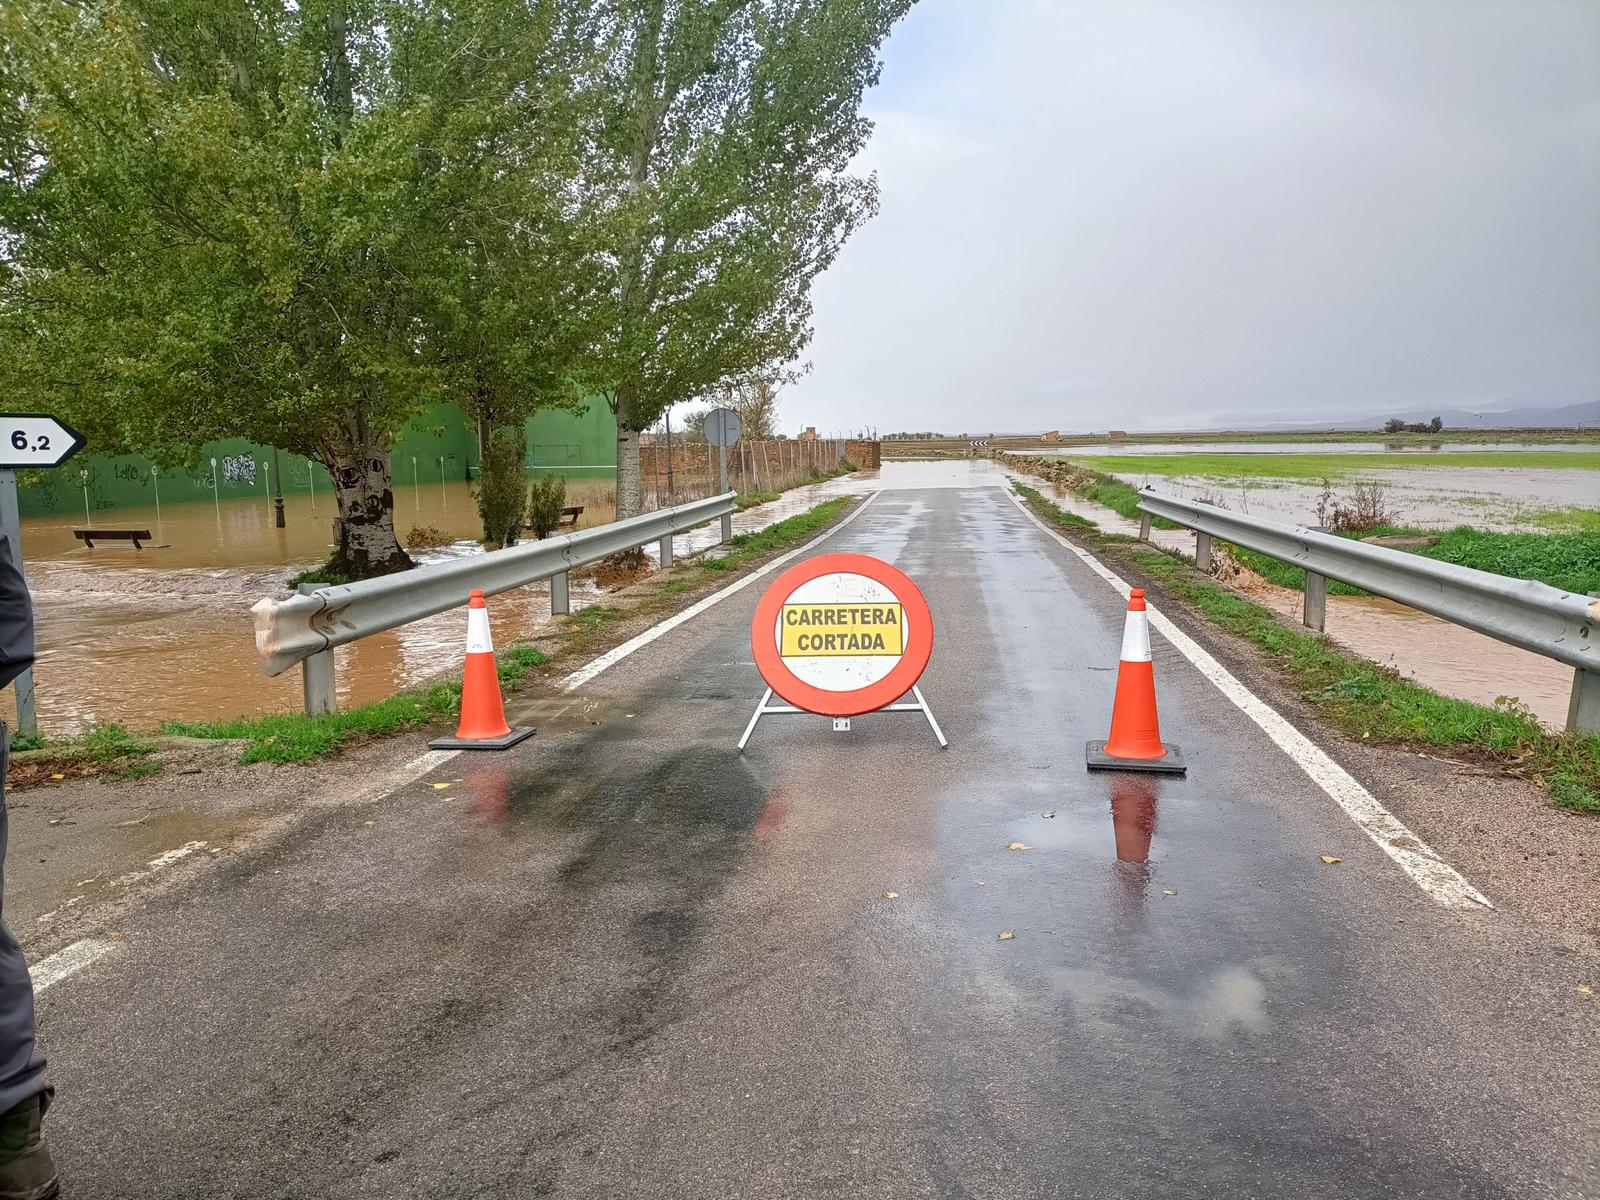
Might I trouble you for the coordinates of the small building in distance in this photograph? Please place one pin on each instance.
(1053, 436)
(808, 434)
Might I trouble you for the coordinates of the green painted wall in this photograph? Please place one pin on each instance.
(440, 442)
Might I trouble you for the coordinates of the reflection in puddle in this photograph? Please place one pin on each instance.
(490, 788)
(1133, 816)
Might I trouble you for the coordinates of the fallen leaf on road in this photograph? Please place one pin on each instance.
(86, 882)
(891, 895)
(1051, 813)
(440, 786)
(118, 933)
(1586, 989)
(1006, 935)
(1019, 846)
(1330, 859)
(369, 824)
(1169, 892)
(57, 775)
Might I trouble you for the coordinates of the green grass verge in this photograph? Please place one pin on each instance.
(746, 500)
(1368, 701)
(1316, 467)
(296, 737)
(747, 546)
(105, 749)
(1569, 561)
(1575, 520)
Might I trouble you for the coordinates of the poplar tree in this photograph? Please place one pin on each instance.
(297, 221)
(725, 133)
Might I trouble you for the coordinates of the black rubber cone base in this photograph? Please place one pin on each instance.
(1170, 763)
(521, 733)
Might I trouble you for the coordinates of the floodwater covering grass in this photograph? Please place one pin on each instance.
(1569, 561)
(1362, 698)
(296, 737)
(1576, 520)
(1329, 466)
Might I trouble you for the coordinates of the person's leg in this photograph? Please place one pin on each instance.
(26, 1172)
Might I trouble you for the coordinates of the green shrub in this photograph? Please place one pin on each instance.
(546, 498)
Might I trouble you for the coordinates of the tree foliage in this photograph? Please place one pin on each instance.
(297, 221)
(725, 136)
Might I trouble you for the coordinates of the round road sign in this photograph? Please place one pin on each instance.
(842, 635)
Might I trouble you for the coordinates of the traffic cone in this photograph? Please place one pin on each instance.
(483, 714)
(1135, 741)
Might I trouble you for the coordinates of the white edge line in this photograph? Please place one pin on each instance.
(1413, 855)
(611, 657)
(68, 962)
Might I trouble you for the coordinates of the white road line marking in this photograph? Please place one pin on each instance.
(64, 963)
(1414, 856)
(588, 671)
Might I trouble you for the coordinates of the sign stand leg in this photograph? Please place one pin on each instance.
(754, 717)
(766, 709)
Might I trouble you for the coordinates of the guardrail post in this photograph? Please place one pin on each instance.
(321, 696)
(1583, 713)
(1144, 527)
(1202, 551)
(316, 676)
(666, 551)
(560, 605)
(1316, 611)
(727, 528)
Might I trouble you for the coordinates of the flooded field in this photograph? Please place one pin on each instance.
(1504, 486)
(164, 633)
(1289, 447)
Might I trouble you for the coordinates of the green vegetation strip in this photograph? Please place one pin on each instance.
(105, 749)
(1328, 466)
(1372, 702)
(1569, 561)
(296, 737)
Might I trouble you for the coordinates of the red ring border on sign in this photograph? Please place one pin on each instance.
(899, 681)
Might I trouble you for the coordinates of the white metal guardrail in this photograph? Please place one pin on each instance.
(1535, 616)
(305, 628)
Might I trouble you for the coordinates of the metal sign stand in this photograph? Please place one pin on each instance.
(11, 523)
(27, 441)
(842, 724)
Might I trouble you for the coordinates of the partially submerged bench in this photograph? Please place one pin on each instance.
(569, 517)
(89, 536)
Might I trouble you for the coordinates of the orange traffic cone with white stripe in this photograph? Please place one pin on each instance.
(1135, 741)
(483, 713)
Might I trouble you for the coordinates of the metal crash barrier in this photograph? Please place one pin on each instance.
(305, 628)
(1521, 612)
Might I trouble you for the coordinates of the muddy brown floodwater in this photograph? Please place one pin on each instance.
(144, 636)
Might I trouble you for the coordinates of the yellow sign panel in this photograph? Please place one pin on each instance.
(827, 630)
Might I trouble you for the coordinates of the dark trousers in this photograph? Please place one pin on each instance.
(21, 1068)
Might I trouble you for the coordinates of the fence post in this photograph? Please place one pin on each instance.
(1316, 611)
(1202, 551)
(1144, 527)
(560, 606)
(666, 551)
(316, 676)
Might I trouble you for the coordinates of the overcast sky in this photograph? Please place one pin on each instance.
(1165, 214)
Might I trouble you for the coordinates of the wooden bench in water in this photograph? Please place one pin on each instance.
(89, 536)
(569, 516)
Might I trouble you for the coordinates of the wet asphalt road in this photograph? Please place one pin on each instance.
(623, 961)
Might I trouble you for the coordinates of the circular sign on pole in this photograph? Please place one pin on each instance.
(842, 635)
(722, 427)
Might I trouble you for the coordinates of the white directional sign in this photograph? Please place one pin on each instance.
(34, 440)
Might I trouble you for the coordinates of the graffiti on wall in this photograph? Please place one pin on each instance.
(239, 468)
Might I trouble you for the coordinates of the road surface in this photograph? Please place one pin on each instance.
(624, 961)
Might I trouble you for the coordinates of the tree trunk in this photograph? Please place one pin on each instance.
(628, 483)
(365, 542)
